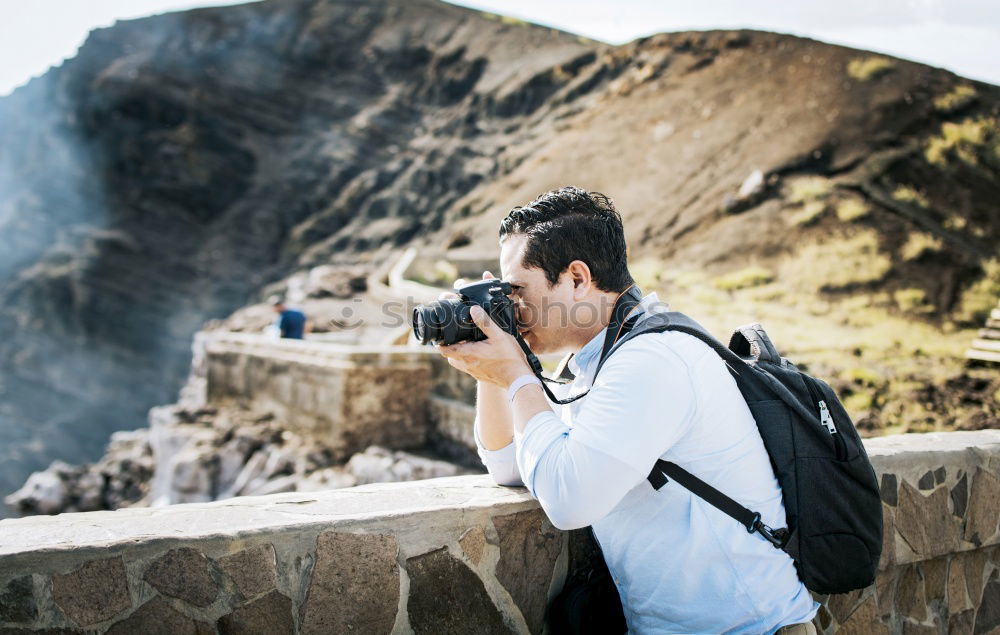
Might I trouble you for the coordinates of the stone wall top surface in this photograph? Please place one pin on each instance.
(909, 456)
(917, 465)
(932, 442)
(250, 515)
(312, 351)
(322, 349)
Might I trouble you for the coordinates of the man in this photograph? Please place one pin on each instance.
(680, 565)
(291, 322)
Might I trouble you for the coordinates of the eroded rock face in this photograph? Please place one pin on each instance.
(252, 570)
(448, 597)
(984, 508)
(189, 456)
(348, 568)
(120, 479)
(290, 137)
(157, 617)
(184, 574)
(988, 616)
(864, 621)
(380, 465)
(529, 546)
(269, 614)
(17, 602)
(95, 592)
(43, 492)
(925, 522)
(473, 543)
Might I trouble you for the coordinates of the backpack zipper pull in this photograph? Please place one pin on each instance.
(826, 419)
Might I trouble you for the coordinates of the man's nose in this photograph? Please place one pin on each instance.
(524, 313)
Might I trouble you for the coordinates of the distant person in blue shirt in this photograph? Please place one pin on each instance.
(291, 322)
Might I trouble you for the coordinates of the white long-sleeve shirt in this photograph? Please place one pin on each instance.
(681, 565)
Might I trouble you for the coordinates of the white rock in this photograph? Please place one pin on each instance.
(230, 464)
(327, 478)
(752, 186)
(278, 460)
(285, 483)
(44, 492)
(191, 477)
(378, 465)
(251, 470)
(411, 467)
(167, 439)
(374, 465)
(128, 438)
(90, 487)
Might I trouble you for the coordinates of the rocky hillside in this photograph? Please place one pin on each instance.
(690, 117)
(179, 163)
(179, 166)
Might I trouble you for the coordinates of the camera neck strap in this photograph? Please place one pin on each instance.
(623, 318)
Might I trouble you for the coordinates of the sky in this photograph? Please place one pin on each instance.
(960, 35)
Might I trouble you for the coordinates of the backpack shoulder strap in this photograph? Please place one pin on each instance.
(751, 345)
(752, 342)
(674, 321)
(664, 470)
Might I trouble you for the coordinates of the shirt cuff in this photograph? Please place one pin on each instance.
(541, 431)
(500, 463)
(506, 454)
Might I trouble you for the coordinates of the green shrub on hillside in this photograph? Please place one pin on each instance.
(865, 68)
(809, 188)
(743, 279)
(959, 97)
(955, 222)
(982, 297)
(648, 274)
(838, 263)
(851, 209)
(918, 244)
(861, 377)
(441, 274)
(969, 141)
(858, 404)
(912, 301)
(810, 213)
(907, 194)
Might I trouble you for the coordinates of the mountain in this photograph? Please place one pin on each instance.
(181, 165)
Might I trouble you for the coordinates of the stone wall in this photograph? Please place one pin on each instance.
(458, 555)
(448, 555)
(940, 568)
(348, 397)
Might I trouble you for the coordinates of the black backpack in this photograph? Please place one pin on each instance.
(828, 485)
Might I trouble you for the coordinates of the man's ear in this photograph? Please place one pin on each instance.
(579, 273)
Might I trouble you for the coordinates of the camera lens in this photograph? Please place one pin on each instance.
(444, 322)
(419, 327)
(428, 325)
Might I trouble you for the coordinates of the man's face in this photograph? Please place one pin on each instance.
(542, 311)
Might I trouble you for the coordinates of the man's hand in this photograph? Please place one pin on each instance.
(497, 360)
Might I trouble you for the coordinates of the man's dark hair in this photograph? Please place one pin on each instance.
(573, 224)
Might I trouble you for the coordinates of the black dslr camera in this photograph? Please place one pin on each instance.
(447, 322)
